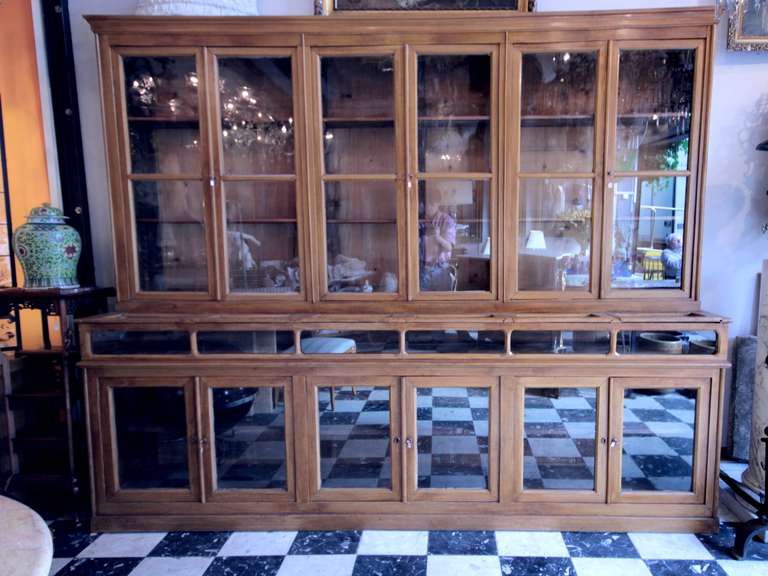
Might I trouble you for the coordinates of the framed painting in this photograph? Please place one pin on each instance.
(338, 6)
(748, 26)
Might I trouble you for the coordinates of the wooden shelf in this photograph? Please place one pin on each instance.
(262, 221)
(454, 119)
(360, 221)
(358, 120)
(164, 119)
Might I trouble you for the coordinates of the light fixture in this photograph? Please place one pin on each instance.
(536, 240)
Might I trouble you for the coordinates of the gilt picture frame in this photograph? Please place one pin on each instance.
(748, 26)
(330, 7)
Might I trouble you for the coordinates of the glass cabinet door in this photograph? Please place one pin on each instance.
(152, 439)
(256, 133)
(167, 167)
(451, 442)
(361, 106)
(559, 124)
(560, 439)
(659, 439)
(454, 163)
(651, 161)
(355, 438)
(249, 455)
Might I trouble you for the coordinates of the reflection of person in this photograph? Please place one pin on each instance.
(672, 257)
(438, 235)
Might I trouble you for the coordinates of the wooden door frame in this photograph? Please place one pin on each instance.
(412, 492)
(695, 182)
(514, 454)
(212, 493)
(703, 387)
(113, 492)
(319, 494)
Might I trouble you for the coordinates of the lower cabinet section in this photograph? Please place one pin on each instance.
(339, 446)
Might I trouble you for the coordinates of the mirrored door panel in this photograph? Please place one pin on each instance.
(451, 443)
(152, 453)
(250, 455)
(356, 438)
(659, 439)
(258, 164)
(166, 165)
(360, 123)
(454, 136)
(653, 155)
(559, 120)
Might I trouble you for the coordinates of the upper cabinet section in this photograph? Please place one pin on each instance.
(415, 162)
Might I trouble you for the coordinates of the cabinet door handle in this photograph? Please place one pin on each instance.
(409, 443)
(614, 442)
(396, 439)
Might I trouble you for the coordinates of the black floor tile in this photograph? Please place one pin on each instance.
(473, 543)
(245, 566)
(335, 542)
(599, 545)
(180, 544)
(537, 567)
(99, 567)
(390, 566)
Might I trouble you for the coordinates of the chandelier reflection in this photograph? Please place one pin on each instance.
(247, 122)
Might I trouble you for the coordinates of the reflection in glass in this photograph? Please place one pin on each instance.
(454, 113)
(249, 425)
(151, 435)
(354, 434)
(358, 115)
(350, 342)
(560, 342)
(658, 440)
(455, 248)
(555, 234)
(262, 237)
(256, 100)
(558, 112)
(702, 342)
(170, 236)
(245, 342)
(361, 236)
(124, 342)
(648, 232)
(452, 437)
(559, 439)
(654, 114)
(454, 342)
(162, 109)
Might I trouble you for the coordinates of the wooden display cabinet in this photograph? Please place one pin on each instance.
(435, 271)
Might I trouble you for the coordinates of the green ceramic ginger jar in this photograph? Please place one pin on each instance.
(48, 249)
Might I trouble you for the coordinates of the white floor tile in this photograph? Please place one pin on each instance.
(610, 567)
(258, 544)
(744, 567)
(329, 565)
(136, 545)
(536, 544)
(653, 546)
(191, 566)
(58, 564)
(393, 543)
(463, 566)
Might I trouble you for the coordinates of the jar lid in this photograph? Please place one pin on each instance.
(46, 214)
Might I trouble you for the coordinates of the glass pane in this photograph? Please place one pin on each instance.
(162, 106)
(658, 439)
(558, 112)
(648, 232)
(425, 5)
(358, 113)
(655, 105)
(151, 435)
(245, 342)
(560, 342)
(170, 236)
(455, 250)
(262, 237)
(555, 235)
(354, 437)
(668, 342)
(454, 113)
(361, 235)
(559, 439)
(454, 342)
(256, 98)
(452, 437)
(249, 424)
(124, 342)
(350, 342)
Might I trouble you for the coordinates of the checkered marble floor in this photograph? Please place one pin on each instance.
(399, 553)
